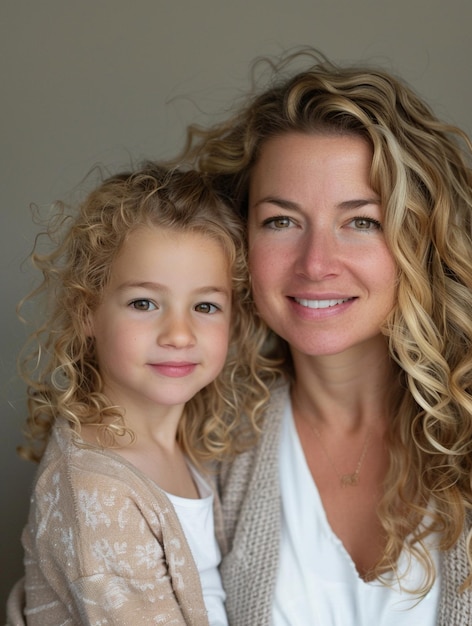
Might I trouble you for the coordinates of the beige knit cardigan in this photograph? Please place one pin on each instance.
(103, 545)
(251, 511)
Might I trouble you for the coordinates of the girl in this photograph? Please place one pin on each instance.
(133, 389)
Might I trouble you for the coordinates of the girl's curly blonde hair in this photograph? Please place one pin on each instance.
(421, 169)
(59, 363)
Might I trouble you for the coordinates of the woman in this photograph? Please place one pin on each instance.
(355, 506)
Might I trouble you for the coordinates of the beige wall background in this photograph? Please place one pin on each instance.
(109, 81)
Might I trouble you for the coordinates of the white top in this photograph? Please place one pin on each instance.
(198, 524)
(317, 581)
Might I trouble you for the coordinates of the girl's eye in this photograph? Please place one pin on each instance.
(207, 307)
(143, 305)
(277, 223)
(366, 223)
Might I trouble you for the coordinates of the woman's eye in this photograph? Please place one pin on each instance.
(206, 307)
(366, 223)
(143, 305)
(277, 223)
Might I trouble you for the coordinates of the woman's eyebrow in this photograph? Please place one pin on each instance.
(280, 202)
(358, 203)
(346, 205)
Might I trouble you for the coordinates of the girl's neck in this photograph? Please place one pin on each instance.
(169, 469)
(149, 421)
(153, 449)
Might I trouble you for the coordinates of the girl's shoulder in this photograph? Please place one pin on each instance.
(78, 476)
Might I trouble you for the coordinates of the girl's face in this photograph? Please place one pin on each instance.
(162, 328)
(323, 276)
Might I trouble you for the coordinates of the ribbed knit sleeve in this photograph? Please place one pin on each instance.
(251, 508)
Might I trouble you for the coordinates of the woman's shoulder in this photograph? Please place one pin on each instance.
(261, 460)
(279, 396)
(269, 427)
(273, 415)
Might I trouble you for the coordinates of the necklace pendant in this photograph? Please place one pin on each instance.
(350, 480)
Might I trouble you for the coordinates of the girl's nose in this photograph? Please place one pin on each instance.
(176, 331)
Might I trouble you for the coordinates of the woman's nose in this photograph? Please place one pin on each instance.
(318, 255)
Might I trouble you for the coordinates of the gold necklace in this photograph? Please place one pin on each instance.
(346, 480)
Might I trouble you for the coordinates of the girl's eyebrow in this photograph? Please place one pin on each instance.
(204, 289)
(212, 289)
(142, 285)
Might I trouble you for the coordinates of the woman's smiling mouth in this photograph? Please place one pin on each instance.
(320, 304)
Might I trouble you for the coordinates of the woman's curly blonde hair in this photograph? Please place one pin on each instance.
(421, 169)
(59, 362)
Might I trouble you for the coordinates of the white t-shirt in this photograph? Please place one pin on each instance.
(317, 581)
(197, 521)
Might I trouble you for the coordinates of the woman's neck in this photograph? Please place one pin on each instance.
(347, 390)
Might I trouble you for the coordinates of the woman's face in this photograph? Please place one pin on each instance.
(323, 276)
